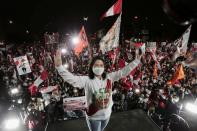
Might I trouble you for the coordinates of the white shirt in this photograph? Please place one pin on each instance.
(97, 88)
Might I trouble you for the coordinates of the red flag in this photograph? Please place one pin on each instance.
(179, 74)
(48, 89)
(83, 42)
(113, 10)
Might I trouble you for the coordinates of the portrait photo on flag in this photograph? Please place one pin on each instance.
(22, 65)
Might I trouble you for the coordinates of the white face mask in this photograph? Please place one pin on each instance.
(98, 70)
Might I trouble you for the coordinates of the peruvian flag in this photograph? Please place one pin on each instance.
(113, 55)
(48, 89)
(83, 42)
(34, 87)
(113, 10)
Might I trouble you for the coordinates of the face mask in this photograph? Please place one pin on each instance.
(98, 70)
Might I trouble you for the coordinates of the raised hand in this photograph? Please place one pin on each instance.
(58, 59)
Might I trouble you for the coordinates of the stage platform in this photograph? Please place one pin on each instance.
(135, 120)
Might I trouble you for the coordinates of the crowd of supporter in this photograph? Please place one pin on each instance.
(141, 89)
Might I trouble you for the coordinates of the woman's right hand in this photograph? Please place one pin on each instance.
(58, 58)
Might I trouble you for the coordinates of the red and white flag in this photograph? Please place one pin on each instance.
(181, 43)
(48, 89)
(111, 39)
(34, 87)
(114, 55)
(153, 55)
(152, 48)
(113, 10)
(83, 42)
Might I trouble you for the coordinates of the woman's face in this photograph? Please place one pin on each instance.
(98, 63)
(98, 67)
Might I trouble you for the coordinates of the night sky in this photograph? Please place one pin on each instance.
(28, 20)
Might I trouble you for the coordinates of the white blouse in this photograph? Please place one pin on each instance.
(95, 89)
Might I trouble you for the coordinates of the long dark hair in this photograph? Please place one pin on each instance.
(91, 73)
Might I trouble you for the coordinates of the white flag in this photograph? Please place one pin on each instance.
(183, 41)
(111, 39)
(22, 65)
(181, 44)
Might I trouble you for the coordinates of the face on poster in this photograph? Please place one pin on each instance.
(22, 65)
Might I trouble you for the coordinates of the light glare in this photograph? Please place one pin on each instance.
(66, 66)
(75, 40)
(191, 107)
(12, 123)
(64, 51)
(14, 91)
